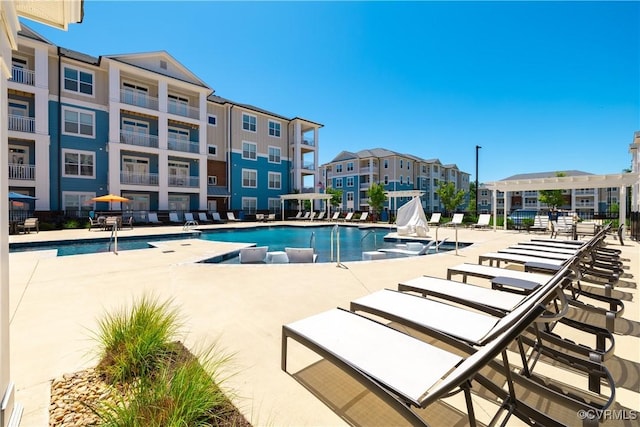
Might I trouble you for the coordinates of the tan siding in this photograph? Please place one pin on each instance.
(261, 136)
(217, 135)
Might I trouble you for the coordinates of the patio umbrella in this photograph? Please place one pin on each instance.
(13, 196)
(110, 198)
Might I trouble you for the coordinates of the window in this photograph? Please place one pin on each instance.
(78, 81)
(249, 150)
(212, 150)
(178, 173)
(349, 196)
(408, 180)
(386, 179)
(408, 165)
(274, 129)
(178, 202)
(275, 181)
(249, 205)
(178, 105)
(401, 163)
(78, 122)
(424, 168)
(249, 178)
(401, 180)
(349, 166)
(77, 202)
(274, 155)
(339, 183)
(249, 122)
(339, 168)
(212, 180)
(350, 181)
(212, 120)
(79, 164)
(135, 95)
(484, 193)
(274, 205)
(18, 108)
(386, 164)
(135, 170)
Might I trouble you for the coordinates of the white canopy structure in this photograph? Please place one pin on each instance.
(393, 195)
(411, 220)
(622, 181)
(300, 197)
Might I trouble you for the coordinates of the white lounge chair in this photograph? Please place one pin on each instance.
(173, 217)
(270, 217)
(500, 257)
(435, 219)
(153, 218)
(298, 216)
(363, 216)
(300, 255)
(231, 216)
(347, 217)
(335, 216)
(253, 255)
(321, 216)
(410, 249)
(456, 220)
(202, 217)
(188, 217)
(483, 221)
(215, 216)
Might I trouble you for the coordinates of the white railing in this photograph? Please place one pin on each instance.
(184, 146)
(22, 172)
(22, 124)
(308, 165)
(585, 192)
(137, 178)
(138, 99)
(179, 109)
(24, 76)
(184, 181)
(139, 139)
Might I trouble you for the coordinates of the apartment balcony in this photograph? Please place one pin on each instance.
(138, 99)
(365, 184)
(585, 205)
(308, 165)
(24, 76)
(585, 192)
(22, 172)
(138, 178)
(529, 193)
(309, 142)
(184, 146)
(183, 110)
(184, 181)
(139, 139)
(22, 124)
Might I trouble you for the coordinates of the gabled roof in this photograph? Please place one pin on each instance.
(344, 155)
(79, 56)
(151, 61)
(29, 33)
(220, 100)
(552, 174)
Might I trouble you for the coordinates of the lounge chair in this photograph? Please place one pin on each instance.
(455, 221)
(435, 219)
(335, 216)
(203, 218)
(231, 216)
(506, 257)
(270, 217)
(306, 215)
(411, 249)
(153, 218)
(564, 225)
(173, 217)
(215, 216)
(321, 216)
(300, 255)
(347, 217)
(29, 224)
(188, 218)
(392, 364)
(259, 217)
(540, 223)
(363, 216)
(253, 255)
(483, 221)
(298, 216)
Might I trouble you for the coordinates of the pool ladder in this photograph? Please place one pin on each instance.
(335, 238)
(375, 239)
(114, 239)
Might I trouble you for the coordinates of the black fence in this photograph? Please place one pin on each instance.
(634, 225)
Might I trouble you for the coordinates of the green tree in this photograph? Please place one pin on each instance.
(336, 196)
(449, 197)
(552, 198)
(376, 199)
(472, 197)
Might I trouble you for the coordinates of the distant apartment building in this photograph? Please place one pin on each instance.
(634, 150)
(585, 202)
(145, 127)
(353, 173)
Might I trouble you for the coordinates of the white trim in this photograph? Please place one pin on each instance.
(215, 149)
(269, 175)
(256, 150)
(212, 180)
(269, 121)
(79, 152)
(252, 209)
(215, 116)
(269, 154)
(242, 122)
(350, 179)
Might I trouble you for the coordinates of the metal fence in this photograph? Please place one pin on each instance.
(634, 225)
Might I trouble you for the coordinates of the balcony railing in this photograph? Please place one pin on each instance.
(365, 184)
(183, 110)
(139, 139)
(585, 205)
(308, 165)
(22, 172)
(24, 76)
(309, 142)
(138, 178)
(184, 146)
(22, 124)
(585, 192)
(184, 181)
(138, 99)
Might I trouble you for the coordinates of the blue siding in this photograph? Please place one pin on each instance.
(262, 192)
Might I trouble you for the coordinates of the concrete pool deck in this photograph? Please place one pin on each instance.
(55, 302)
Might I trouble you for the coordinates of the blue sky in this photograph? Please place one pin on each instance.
(540, 86)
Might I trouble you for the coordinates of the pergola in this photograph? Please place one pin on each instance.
(393, 195)
(622, 181)
(300, 197)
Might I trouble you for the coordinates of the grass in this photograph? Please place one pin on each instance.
(163, 383)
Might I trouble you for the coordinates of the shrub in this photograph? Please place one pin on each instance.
(71, 223)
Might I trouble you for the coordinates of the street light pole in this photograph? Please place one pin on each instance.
(477, 195)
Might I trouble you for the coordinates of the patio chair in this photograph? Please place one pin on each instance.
(455, 221)
(188, 217)
(202, 217)
(259, 217)
(321, 216)
(300, 255)
(29, 224)
(253, 255)
(231, 216)
(363, 217)
(435, 219)
(215, 216)
(347, 217)
(96, 223)
(335, 216)
(298, 216)
(483, 221)
(270, 217)
(540, 223)
(173, 217)
(410, 249)
(153, 218)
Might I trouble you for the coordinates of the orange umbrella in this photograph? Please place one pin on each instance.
(110, 198)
